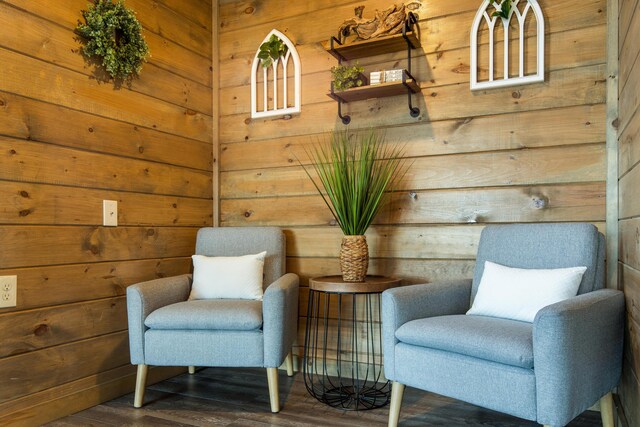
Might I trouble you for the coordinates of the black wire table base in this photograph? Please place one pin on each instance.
(342, 364)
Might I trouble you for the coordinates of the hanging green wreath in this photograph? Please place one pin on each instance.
(113, 34)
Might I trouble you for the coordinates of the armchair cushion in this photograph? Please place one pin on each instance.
(220, 314)
(518, 293)
(238, 277)
(497, 340)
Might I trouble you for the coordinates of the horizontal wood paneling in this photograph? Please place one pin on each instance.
(34, 120)
(629, 48)
(51, 204)
(572, 125)
(583, 163)
(629, 149)
(36, 162)
(496, 204)
(26, 246)
(630, 97)
(626, 11)
(631, 279)
(629, 207)
(53, 285)
(629, 202)
(530, 153)
(73, 90)
(69, 139)
(36, 371)
(197, 11)
(32, 330)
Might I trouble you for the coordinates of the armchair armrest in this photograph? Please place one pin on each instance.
(577, 349)
(145, 297)
(280, 319)
(401, 305)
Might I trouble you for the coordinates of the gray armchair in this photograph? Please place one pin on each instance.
(166, 329)
(547, 371)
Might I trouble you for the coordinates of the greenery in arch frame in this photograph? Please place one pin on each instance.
(112, 37)
(271, 50)
(505, 9)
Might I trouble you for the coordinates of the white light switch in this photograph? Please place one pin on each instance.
(110, 213)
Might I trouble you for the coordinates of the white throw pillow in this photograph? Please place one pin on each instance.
(227, 277)
(518, 293)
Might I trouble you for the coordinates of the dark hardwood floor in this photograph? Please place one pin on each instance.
(239, 397)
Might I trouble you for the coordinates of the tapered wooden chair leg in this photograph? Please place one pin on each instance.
(192, 370)
(274, 397)
(606, 410)
(289, 363)
(397, 391)
(141, 381)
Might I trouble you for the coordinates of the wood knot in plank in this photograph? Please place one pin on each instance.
(151, 232)
(249, 10)
(41, 330)
(24, 194)
(540, 202)
(25, 212)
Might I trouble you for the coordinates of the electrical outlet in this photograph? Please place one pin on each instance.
(110, 213)
(8, 291)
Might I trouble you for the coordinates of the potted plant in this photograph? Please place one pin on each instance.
(354, 172)
(345, 77)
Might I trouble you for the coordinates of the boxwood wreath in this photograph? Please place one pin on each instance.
(113, 35)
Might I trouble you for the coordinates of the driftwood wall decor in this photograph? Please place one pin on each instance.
(385, 22)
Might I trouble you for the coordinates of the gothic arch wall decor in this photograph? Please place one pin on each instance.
(274, 99)
(520, 9)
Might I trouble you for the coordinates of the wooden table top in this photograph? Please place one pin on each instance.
(371, 284)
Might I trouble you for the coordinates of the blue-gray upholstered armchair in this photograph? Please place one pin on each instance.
(548, 371)
(217, 332)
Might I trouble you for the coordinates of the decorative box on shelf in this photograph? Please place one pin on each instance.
(376, 77)
(393, 75)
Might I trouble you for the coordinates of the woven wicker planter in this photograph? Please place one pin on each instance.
(354, 258)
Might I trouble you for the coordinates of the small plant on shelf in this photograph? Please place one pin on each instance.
(345, 77)
(272, 50)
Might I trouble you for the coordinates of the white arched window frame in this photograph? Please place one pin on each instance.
(483, 14)
(283, 109)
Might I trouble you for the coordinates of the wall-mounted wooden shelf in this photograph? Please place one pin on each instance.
(408, 40)
(381, 90)
(378, 46)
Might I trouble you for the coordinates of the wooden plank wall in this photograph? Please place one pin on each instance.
(629, 200)
(67, 142)
(522, 154)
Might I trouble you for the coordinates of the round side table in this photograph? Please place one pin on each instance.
(343, 342)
